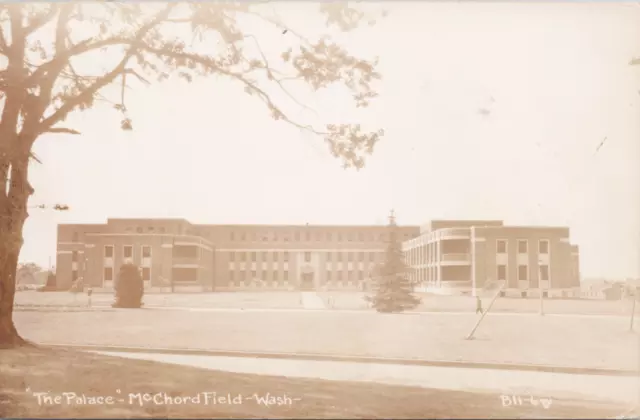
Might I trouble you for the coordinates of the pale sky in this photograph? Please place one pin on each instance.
(554, 77)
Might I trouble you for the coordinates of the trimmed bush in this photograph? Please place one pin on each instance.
(129, 287)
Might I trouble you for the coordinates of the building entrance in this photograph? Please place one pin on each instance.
(306, 281)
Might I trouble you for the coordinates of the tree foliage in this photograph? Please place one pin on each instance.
(393, 290)
(129, 287)
(30, 267)
(51, 52)
(57, 59)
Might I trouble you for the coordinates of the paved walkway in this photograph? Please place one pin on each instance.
(311, 300)
(552, 386)
(314, 306)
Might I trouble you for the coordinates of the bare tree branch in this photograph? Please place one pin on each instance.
(135, 44)
(62, 130)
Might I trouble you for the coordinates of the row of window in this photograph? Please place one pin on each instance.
(523, 246)
(275, 275)
(127, 251)
(144, 271)
(273, 236)
(339, 256)
(523, 272)
(314, 236)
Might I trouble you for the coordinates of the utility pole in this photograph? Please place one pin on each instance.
(540, 288)
(173, 244)
(634, 296)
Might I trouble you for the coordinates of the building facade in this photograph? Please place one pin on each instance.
(454, 254)
(173, 253)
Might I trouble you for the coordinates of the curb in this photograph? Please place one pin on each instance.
(22, 307)
(353, 359)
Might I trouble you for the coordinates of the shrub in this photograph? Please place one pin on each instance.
(129, 287)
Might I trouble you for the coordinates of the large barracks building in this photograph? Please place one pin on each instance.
(173, 253)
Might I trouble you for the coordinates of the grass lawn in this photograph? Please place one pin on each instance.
(342, 300)
(30, 370)
(287, 300)
(435, 303)
(551, 340)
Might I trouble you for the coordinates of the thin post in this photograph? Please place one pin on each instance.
(470, 336)
(173, 244)
(634, 296)
(540, 289)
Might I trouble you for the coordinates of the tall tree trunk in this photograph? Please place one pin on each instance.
(13, 214)
(9, 337)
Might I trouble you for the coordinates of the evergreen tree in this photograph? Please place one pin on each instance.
(129, 287)
(393, 290)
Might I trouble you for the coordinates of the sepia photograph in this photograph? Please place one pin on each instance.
(320, 209)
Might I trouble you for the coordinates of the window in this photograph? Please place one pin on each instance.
(108, 274)
(74, 275)
(162, 230)
(502, 273)
(128, 251)
(242, 275)
(339, 236)
(243, 237)
(307, 256)
(544, 272)
(328, 257)
(151, 229)
(74, 256)
(328, 236)
(308, 236)
(361, 256)
(501, 246)
(523, 246)
(146, 273)
(275, 276)
(286, 256)
(275, 256)
(523, 272)
(243, 257)
(232, 236)
(339, 276)
(329, 276)
(543, 246)
(75, 237)
(232, 256)
(339, 257)
(253, 257)
(264, 255)
(350, 237)
(231, 273)
(139, 229)
(349, 256)
(146, 251)
(372, 256)
(108, 251)
(361, 237)
(286, 276)
(253, 274)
